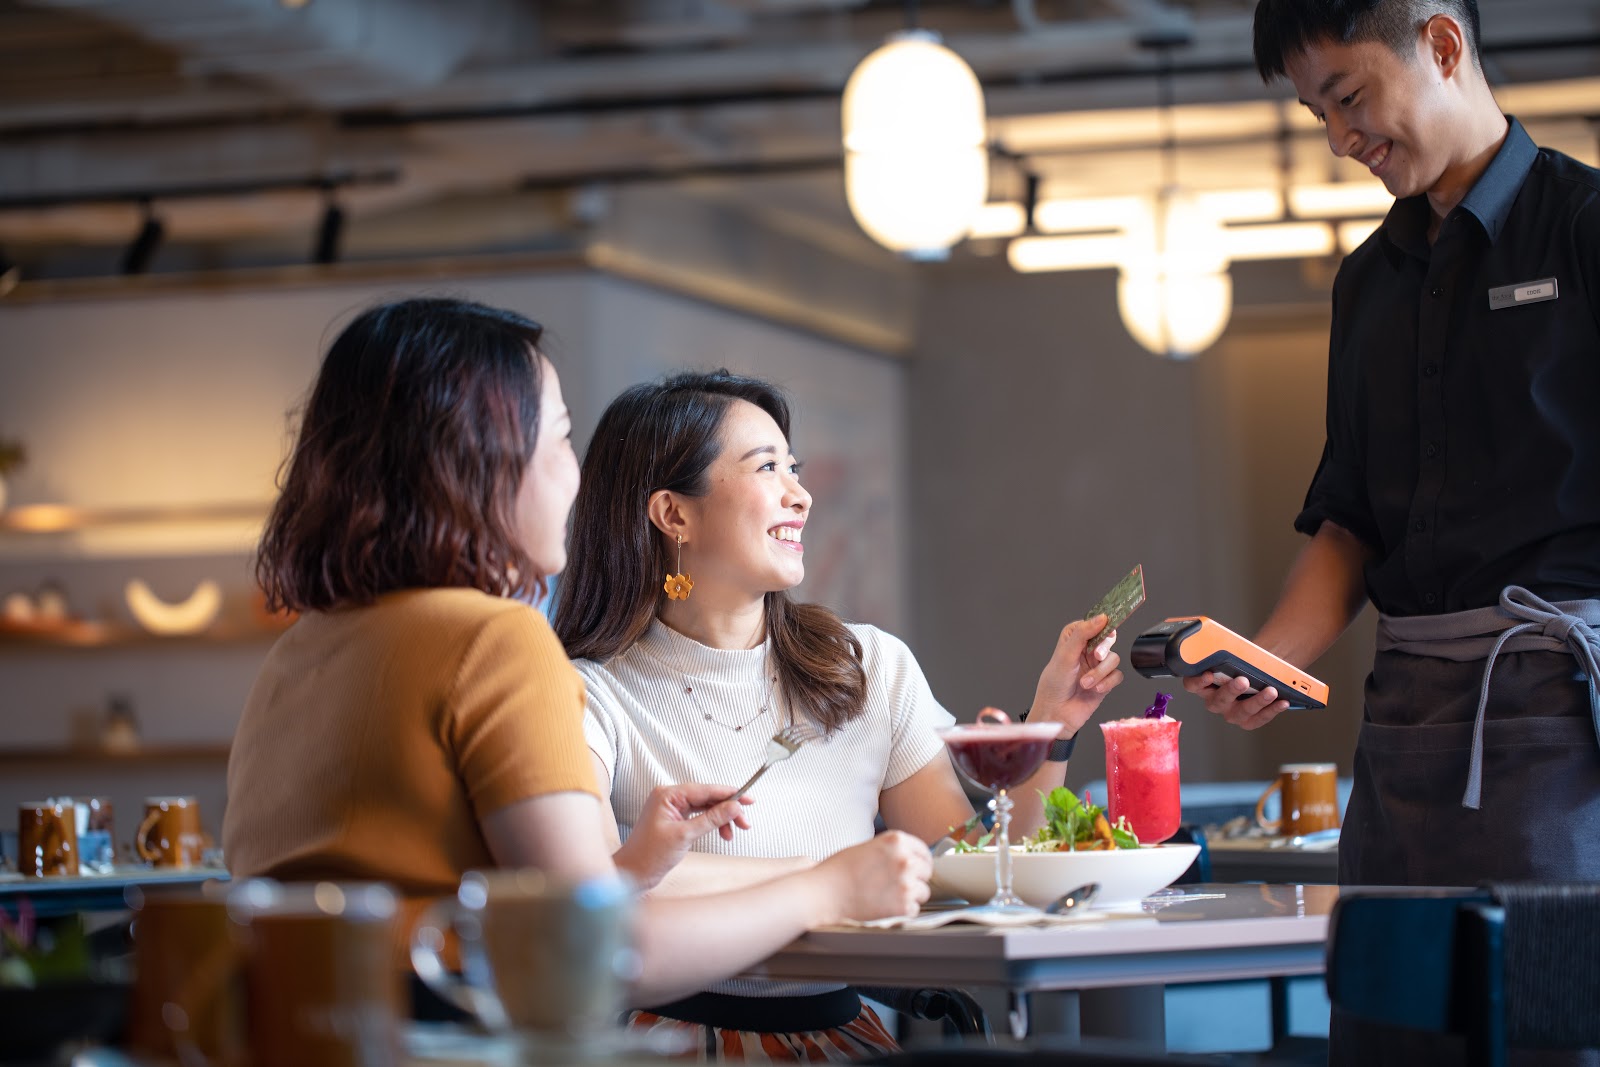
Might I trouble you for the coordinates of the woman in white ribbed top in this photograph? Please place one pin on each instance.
(689, 690)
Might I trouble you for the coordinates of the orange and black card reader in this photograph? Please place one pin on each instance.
(1194, 644)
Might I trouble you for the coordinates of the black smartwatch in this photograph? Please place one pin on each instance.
(1060, 748)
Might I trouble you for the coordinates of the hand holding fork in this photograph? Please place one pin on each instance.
(675, 816)
(785, 743)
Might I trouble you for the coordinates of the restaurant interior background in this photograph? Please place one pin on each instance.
(194, 194)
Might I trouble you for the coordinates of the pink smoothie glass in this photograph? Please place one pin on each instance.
(1142, 774)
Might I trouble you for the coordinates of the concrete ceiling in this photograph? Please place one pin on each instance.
(474, 125)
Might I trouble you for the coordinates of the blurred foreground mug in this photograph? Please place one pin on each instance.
(1310, 800)
(170, 835)
(188, 997)
(320, 977)
(47, 838)
(269, 975)
(537, 956)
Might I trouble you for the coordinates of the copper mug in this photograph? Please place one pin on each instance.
(321, 985)
(538, 957)
(188, 996)
(1310, 799)
(271, 975)
(170, 835)
(47, 838)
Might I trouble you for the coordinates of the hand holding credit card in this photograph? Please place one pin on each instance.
(1124, 598)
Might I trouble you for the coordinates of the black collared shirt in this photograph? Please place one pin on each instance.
(1464, 442)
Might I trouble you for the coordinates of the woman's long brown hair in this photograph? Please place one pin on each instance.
(665, 436)
(410, 454)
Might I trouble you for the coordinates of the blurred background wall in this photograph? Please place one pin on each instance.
(973, 495)
(156, 402)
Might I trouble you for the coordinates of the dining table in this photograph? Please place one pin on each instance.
(1274, 859)
(59, 895)
(1184, 934)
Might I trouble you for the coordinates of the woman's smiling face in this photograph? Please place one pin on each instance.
(745, 532)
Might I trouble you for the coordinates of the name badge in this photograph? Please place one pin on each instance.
(1523, 293)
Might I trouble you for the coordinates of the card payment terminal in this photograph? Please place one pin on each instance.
(1194, 644)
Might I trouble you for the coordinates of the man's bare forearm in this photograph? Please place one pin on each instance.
(1323, 594)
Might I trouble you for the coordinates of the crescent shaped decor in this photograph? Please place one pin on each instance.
(189, 617)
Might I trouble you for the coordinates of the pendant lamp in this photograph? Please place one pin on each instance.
(916, 167)
(1174, 293)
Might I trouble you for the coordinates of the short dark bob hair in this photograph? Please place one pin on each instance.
(1284, 29)
(666, 435)
(410, 454)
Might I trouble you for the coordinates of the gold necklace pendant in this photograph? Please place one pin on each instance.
(766, 706)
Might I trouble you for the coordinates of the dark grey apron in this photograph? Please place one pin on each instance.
(1478, 760)
(1479, 754)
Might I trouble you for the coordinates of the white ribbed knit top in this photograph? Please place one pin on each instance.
(649, 732)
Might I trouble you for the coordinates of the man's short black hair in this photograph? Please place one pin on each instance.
(1286, 28)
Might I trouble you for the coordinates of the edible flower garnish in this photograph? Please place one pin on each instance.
(1158, 710)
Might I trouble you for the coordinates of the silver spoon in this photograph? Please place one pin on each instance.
(1073, 898)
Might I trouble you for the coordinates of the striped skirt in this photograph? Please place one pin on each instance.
(855, 1038)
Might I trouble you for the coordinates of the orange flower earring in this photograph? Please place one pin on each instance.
(679, 585)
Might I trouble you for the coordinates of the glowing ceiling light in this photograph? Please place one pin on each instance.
(1241, 205)
(916, 167)
(1340, 199)
(1029, 254)
(1281, 240)
(1174, 293)
(999, 218)
(1176, 315)
(1090, 213)
(1352, 234)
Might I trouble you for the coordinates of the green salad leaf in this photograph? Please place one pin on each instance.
(1070, 825)
(964, 846)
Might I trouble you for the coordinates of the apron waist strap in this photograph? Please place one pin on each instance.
(1521, 622)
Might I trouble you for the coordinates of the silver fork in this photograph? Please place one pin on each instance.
(785, 743)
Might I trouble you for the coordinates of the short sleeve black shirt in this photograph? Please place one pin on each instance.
(1464, 442)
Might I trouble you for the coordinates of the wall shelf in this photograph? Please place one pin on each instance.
(57, 755)
(62, 518)
(90, 635)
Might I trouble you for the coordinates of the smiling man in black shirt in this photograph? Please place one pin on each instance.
(1459, 489)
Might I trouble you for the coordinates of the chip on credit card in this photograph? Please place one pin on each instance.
(1121, 602)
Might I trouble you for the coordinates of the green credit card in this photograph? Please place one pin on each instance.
(1121, 602)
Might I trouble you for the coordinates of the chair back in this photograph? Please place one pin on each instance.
(1552, 964)
(1392, 958)
(1508, 965)
(1199, 871)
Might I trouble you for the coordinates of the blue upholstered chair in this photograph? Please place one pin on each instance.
(1506, 966)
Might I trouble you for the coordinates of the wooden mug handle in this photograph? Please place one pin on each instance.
(1272, 826)
(55, 855)
(140, 844)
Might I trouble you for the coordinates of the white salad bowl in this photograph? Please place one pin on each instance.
(1126, 875)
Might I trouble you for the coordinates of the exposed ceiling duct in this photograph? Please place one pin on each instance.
(332, 52)
(486, 106)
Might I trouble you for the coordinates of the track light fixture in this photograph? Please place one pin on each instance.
(136, 260)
